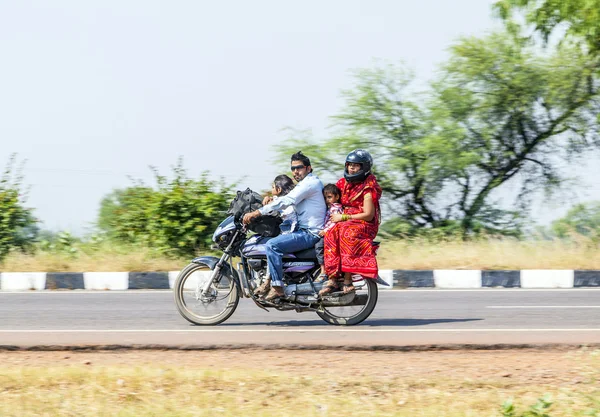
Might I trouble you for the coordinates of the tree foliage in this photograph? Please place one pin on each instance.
(583, 219)
(18, 226)
(177, 216)
(580, 18)
(499, 113)
(125, 213)
(515, 114)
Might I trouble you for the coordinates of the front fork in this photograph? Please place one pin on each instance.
(202, 291)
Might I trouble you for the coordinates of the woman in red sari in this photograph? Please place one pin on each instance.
(349, 244)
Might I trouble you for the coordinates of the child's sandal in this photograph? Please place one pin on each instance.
(322, 278)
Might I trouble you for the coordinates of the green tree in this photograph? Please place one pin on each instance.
(125, 214)
(583, 219)
(176, 216)
(185, 212)
(18, 226)
(580, 18)
(517, 113)
(500, 112)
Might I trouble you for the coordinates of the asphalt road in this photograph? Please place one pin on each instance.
(401, 318)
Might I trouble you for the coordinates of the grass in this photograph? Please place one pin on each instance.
(393, 254)
(175, 390)
(489, 254)
(104, 260)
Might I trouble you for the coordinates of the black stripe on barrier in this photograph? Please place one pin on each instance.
(148, 280)
(64, 280)
(587, 279)
(506, 279)
(410, 278)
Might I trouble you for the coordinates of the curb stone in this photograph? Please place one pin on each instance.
(398, 279)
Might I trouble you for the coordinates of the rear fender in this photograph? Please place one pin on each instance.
(211, 262)
(381, 282)
(376, 279)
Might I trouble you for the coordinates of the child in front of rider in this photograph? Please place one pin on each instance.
(332, 195)
(282, 185)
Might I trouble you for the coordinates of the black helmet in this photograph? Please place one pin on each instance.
(362, 157)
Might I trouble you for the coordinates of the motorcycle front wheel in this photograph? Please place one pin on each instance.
(206, 309)
(350, 315)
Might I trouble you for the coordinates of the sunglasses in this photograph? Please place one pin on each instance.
(297, 167)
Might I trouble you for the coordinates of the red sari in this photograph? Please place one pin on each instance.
(348, 245)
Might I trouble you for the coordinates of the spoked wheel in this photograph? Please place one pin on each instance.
(358, 310)
(207, 309)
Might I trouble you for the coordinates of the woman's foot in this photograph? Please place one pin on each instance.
(348, 288)
(275, 293)
(330, 286)
(263, 288)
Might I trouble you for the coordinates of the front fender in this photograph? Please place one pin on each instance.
(211, 262)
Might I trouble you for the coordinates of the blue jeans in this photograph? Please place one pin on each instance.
(284, 244)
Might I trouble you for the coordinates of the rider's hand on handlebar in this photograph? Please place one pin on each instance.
(248, 217)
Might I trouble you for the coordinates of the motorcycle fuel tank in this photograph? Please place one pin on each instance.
(255, 247)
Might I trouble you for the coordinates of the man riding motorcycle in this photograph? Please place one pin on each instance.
(307, 199)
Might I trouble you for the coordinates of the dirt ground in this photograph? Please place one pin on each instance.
(326, 383)
(557, 367)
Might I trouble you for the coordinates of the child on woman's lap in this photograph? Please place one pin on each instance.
(332, 196)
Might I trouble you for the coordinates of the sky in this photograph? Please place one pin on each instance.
(93, 93)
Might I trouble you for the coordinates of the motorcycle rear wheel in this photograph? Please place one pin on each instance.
(348, 315)
(208, 311)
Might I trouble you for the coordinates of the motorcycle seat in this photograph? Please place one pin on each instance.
(311, 254)
(306, 254)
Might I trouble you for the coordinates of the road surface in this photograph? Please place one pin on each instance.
(401, 318)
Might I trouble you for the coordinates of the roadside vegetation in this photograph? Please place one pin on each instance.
(416, 253)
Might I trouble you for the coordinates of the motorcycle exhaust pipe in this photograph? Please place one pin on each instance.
(357, 300)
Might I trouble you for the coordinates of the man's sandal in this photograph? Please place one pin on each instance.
(263, 288)
(274, 295)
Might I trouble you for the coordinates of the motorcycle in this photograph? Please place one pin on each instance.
(208, 290)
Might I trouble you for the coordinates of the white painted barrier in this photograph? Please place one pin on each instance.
(19, 281)
(106, 280)
(172, 277)
(457, 278)
(547, 278)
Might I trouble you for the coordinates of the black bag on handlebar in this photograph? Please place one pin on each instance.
(244, 202)
(247, 201)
